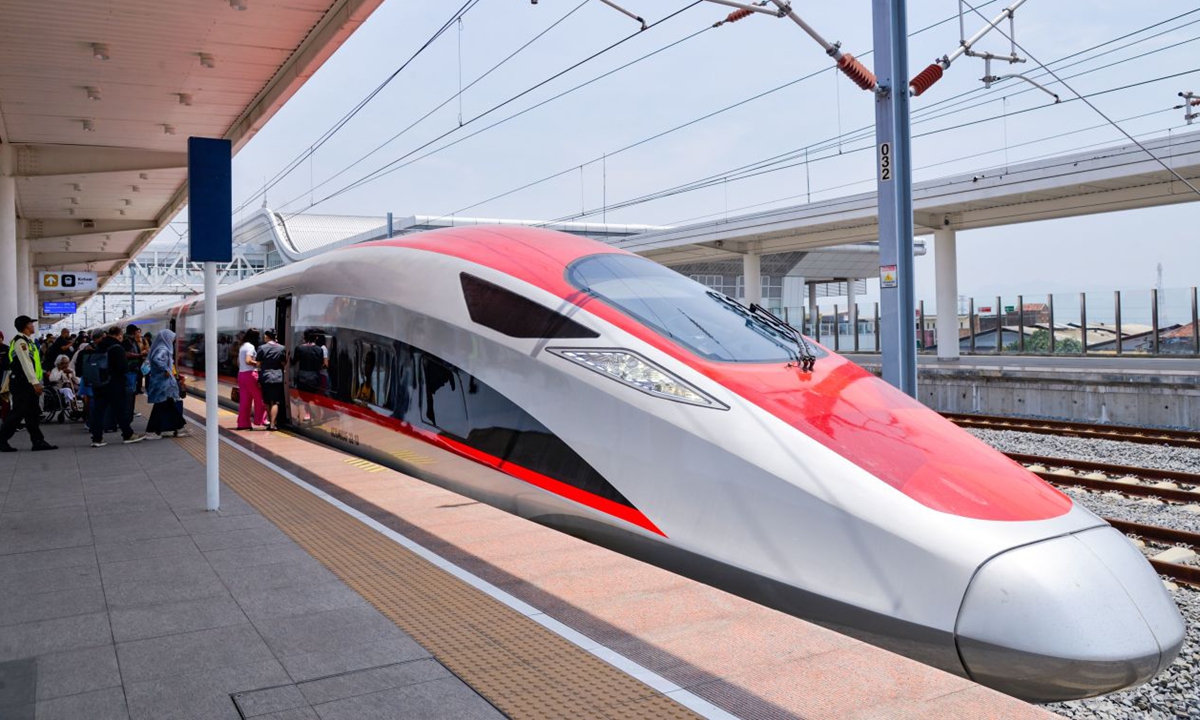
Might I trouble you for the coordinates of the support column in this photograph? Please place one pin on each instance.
(752, 278)
(851, 311)
(945, 251)
(9, 288)
(23, 279)
(812, 307)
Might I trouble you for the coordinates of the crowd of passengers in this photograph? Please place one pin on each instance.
(96, 378)
(93, 378)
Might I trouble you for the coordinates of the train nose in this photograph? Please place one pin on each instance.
(1066, 618)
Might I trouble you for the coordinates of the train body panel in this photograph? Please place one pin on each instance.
(827, 494)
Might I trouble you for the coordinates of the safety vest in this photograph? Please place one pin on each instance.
(13, 363)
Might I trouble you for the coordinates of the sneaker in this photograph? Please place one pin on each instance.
(44, 446)
(102, 443)
(152, 436)
(7, 448)
(135, 438)
(182, 433)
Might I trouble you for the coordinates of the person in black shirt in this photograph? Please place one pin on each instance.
(310, 361)
(272, 359)
(110, 389)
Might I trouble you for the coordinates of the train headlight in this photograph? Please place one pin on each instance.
(639, 373)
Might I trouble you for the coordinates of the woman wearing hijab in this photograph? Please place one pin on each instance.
(162, 390)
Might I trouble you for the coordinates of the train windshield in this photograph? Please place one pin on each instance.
(681, 309)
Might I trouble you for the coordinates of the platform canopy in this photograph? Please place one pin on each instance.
(1120, 177)
(98, 98)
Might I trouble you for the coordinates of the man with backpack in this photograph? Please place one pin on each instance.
(25, 385)
(105, 369)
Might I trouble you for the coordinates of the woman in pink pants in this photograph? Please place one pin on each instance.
(250, 402)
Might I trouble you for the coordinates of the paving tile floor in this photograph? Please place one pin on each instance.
(121, 597)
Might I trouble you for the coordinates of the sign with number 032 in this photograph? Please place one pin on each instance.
(885, 162)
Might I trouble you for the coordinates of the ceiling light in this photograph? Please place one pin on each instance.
(76, 187)
(70, 211)
(92, 93)
(120, 212)
(88, 125)
(143, 176)
(168, 129)
(237, 4)
(100, 51)
(135, 188)
(207, 60)
(127, 201)
(184, 98)
(74, 200)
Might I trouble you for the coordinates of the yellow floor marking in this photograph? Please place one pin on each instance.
(522, 668)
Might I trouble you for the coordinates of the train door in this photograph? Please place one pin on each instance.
(283, 331)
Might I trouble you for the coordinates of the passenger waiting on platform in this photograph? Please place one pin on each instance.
(310, 361)
(25, 386)
(62, 379)
(134, 357)
(105, 370)
(85, 348)
(251, 411)
(272, 359)
(162, 389)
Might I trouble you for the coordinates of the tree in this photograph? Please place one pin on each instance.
(1039, 343)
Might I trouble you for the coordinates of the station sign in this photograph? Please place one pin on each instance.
(1010, 308)
(986, 309)
(58, 281)
(59, 308)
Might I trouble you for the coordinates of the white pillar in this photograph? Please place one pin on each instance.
(23, 268)
(946, 268)
(851, 310)
(9, 288)
(752, 278)
(212, 428)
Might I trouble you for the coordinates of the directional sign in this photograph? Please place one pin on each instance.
(1010, 308)
(59, 308)
(57, 281)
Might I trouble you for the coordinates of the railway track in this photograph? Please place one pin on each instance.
(1087, 474)
(1123, 433)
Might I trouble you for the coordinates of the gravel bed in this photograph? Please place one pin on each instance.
(1170, 696)
(1162, 457)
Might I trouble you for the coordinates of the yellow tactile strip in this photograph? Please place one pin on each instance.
(522, 668)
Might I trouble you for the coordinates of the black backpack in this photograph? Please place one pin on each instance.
(95, 368)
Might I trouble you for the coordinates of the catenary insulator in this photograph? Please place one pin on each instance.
(926, 78)
(856, 71)
(738, 15)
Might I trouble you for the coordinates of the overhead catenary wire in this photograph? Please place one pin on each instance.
(358, 107)
(1092, 105)
(810, 147)
(394, 164)
(771, 166)
(868, 130)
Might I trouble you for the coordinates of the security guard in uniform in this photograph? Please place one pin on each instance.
(25, 385)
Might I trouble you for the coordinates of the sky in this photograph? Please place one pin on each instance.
(709, 69)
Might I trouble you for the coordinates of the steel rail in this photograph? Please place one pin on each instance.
(1189, 574)
(1122, 433)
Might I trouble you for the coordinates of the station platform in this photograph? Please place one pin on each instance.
(1125, 389)
(329, 587)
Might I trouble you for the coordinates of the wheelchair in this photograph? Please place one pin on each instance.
(56, 407)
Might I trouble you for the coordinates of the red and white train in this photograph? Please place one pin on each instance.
(604, 395)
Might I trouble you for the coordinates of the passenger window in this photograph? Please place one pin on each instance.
(373, 375)
(507, 312)
(443, 406)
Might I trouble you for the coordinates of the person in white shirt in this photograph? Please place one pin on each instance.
(250, 401)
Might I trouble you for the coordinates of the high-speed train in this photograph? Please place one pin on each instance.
(599, 393)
